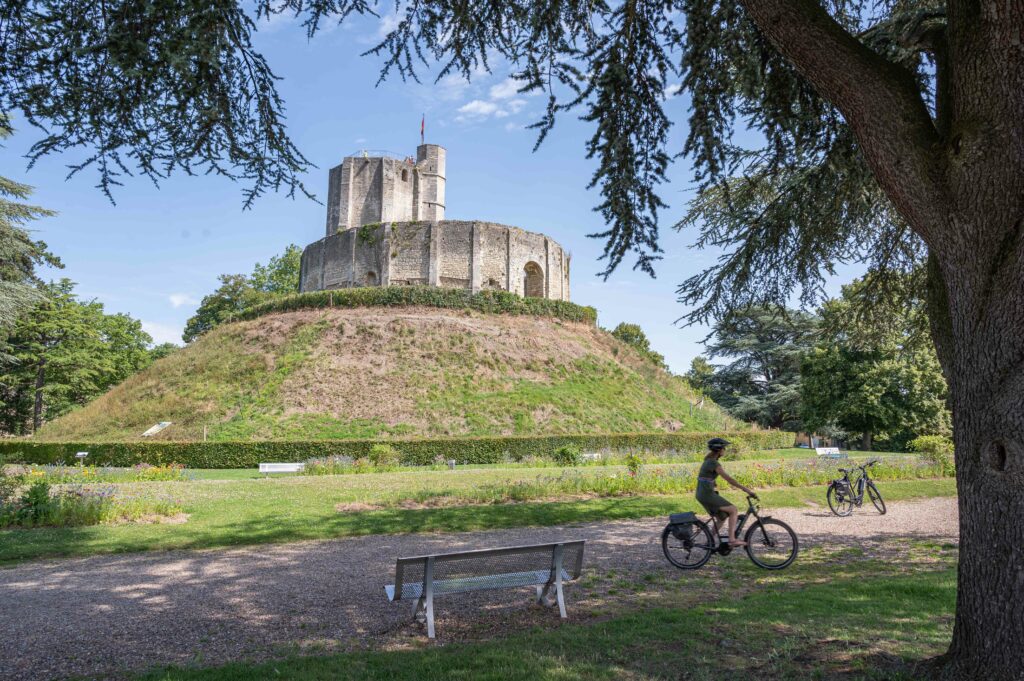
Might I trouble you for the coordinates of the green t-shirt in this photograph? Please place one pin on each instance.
(709, 469)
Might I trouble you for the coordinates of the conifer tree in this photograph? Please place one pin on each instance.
(19, 253)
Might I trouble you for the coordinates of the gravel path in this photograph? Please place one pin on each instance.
(105, 616)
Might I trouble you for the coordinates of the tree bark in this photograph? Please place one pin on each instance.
(37, 407)
(866, 441)
(983, 356)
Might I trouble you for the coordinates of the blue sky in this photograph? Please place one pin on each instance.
(158, 251)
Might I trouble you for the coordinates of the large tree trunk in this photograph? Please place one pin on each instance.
(979, 333)
(866, 441)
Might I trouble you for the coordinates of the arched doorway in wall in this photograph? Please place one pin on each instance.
(370, 279)
(533, 280)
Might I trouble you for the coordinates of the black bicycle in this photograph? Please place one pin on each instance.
(843, 494)
(688, 541)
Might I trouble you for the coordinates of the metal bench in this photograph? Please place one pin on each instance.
(831, 453)
(545, 566)
(282, 467)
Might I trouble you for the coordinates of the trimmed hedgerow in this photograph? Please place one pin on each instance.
(415, 452)
(497, 302)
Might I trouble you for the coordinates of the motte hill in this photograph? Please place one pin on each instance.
(379, 372)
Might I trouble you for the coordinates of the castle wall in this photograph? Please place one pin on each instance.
(453, 254)
(311, 267)
(525, 247)
(493, 242)
(337, 260)
(410, 254)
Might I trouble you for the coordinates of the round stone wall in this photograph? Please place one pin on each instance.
(452, 253)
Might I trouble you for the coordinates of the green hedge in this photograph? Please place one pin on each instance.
(429, 296)
(413, 451)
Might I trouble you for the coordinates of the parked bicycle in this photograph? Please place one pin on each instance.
(844, 494)
(689, 542)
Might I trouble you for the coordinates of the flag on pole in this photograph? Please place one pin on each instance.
(423, 127)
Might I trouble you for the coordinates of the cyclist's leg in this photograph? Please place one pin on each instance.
(733, 513)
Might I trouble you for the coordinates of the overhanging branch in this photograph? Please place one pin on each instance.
(880, 101)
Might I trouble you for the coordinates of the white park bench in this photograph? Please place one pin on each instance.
(281, 467)
(831, 453)
(545, 566)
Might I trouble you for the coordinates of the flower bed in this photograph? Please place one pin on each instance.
(31, 501)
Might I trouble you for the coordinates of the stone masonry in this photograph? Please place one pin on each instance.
(386, 227)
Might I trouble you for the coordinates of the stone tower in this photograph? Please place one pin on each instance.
(368, 189)
(430, 166)
(386, 227)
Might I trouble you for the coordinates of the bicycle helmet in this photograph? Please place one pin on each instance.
(716, 443)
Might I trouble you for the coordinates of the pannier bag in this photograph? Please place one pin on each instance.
(681, 524)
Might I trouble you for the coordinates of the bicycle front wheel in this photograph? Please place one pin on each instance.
(876, 498)
(840, 503)
(772, 544)
(687, 548)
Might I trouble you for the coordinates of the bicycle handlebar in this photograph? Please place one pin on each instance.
(869, 463)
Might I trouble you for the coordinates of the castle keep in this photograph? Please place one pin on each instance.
(386, 227)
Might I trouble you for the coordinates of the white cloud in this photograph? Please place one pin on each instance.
(672, 90)
(509, 88)
(162, 333)
(479, 108)
(512, 127)
(506, 88)
(179, 299)
(451, 87)
(388, 23)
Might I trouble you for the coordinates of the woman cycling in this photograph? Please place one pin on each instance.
(718, 506)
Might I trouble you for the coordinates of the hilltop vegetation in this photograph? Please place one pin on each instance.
(382, 372)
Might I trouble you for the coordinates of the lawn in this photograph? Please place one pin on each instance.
(830, 616)
(229, 512)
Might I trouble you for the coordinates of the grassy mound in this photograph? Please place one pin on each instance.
(380, 372)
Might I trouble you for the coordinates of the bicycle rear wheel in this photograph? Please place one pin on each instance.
(876, 498)
(771, 544)
(840, 502)
(691, 549)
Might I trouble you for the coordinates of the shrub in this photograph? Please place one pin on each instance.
(568, 455)
(383, 456)
(329, 465)
(12, 479)
(494, 302)
(633, 464)
(936, 449)
(412, 451)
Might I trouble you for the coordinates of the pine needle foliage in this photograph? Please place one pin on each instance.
(19, 253)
